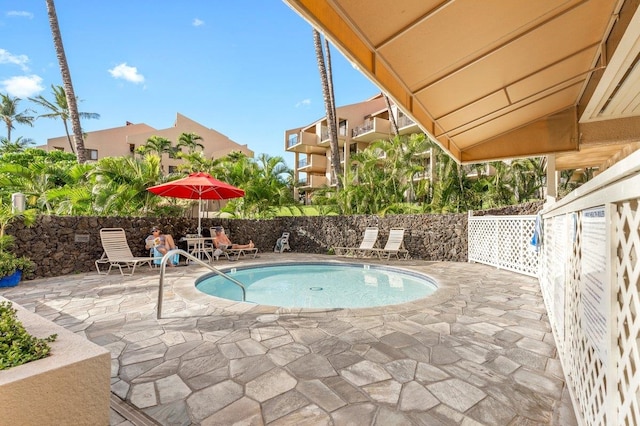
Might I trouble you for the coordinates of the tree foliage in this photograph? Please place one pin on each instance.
(54, 183)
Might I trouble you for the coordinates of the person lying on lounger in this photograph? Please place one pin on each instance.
(222, 242)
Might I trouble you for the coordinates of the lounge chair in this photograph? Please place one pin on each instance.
(282, 243)
(117, 252)
(231, 253)
(365, 249)
(394, 246)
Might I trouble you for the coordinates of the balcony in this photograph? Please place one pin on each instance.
(324, 136)
(303, 142)
(406, 126)
(313, 163)
(312, 181)
(424, 175)
(372, 129)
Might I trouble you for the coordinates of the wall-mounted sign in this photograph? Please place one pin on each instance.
(593, 263)
(81, 238)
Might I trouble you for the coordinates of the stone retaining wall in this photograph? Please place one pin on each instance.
(61, 245)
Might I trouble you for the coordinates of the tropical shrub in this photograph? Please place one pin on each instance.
(17, 346)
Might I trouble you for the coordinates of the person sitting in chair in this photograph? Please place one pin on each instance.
(162, 243)
(222, 242)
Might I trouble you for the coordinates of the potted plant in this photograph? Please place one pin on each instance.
(11, 266)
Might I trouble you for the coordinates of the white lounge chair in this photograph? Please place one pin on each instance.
(366, 247)
(118, 253)
(394, 246)
(282, 243)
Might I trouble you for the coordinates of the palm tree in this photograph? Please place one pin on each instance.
(327, 91)
(59, 109)
(157, 145)
(392, 118)
(37, 178)
(451, 189)
(190, 141)
(529, 178)
(196, 162)
(76, 196)
(66, 81)
(122, 182)
(18, 145)
(265, 180)
(9, 113)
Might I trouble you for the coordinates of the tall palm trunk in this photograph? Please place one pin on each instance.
(66, 82)
(394, 123)
(327, 94)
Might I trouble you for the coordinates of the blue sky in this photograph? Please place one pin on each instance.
(245, 68)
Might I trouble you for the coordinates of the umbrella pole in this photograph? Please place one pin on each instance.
(199, 210)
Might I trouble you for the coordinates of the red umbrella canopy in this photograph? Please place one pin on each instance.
(197, 186)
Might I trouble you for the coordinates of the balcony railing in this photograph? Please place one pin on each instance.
(364, 128)
(302, 163)
(292, 141)
(404, 121)
(422, 175)
(324, 133)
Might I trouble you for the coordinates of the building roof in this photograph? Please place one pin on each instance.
(497, 79)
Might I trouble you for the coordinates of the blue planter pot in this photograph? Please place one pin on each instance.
(11, 280)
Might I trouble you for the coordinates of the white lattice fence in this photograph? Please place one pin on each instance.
(503, 242)
(590, 280)
(627, 304)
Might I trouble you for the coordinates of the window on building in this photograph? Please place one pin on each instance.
(173, 169)
(92, 154)
(342, 127)
(132, 147)
(58, 148)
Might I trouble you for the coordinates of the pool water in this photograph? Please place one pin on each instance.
(320, 285)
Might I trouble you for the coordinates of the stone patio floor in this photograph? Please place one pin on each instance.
(479, 351)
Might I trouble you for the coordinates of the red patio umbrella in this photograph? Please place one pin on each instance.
(200, 186)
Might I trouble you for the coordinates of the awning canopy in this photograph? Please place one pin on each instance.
(496, 79)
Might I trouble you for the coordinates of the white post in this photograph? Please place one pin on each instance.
(18, 202)
(552, 177)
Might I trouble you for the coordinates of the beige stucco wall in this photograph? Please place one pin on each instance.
(109, 143)
(71, 386)
(117, 141)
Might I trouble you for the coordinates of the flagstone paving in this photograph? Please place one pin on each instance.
(479, 351)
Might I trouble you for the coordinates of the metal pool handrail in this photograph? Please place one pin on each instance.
(190, 257)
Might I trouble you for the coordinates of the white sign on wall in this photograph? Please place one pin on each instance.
(593, 263)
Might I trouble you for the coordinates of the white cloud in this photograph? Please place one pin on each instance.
(303, 103)
(9, 58)
(20, 14)
(197, 22)
(127, 73)
(22, 86)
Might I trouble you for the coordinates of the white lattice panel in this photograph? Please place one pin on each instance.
(602, 371)
(627, 223)
(584, 370)
(503, 242)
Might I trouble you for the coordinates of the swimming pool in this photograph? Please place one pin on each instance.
(320, 285)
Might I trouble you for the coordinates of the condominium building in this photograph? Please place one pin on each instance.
(123, 141)
(359, 125)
